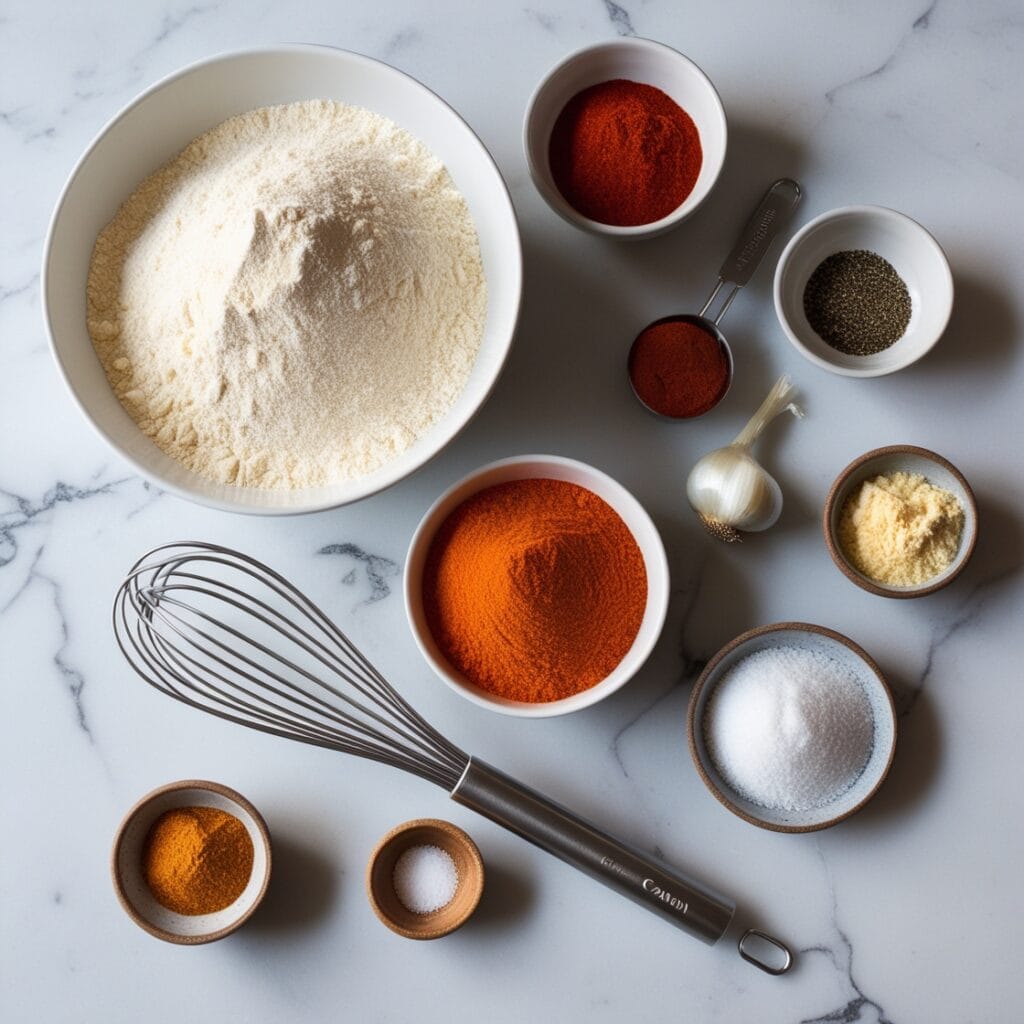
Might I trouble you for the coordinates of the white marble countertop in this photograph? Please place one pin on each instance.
(907, 912)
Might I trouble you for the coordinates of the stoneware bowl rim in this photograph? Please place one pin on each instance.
(232, 796)
(438, 923)
(943, 293)
(549, 192)
(967, 543)
(625, 504)
(702, 682)
(251, 501)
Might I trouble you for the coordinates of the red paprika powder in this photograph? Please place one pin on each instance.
(534, 589)
(624, 153)
(678, 369)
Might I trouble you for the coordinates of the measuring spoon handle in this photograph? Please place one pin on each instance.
(771, 214)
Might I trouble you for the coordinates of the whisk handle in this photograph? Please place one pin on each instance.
(688, 904)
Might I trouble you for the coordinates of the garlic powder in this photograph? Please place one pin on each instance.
(898, 529)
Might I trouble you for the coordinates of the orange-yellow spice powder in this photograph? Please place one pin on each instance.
(197, 860)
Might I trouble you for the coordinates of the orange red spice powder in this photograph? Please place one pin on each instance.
(624, 153)
(534, 589)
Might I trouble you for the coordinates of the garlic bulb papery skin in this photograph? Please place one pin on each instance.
(733, 493)
(729, 489)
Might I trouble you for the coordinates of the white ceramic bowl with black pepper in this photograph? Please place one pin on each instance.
(549, 467)
(913, 253)
(155, 127)
(637, 60)
(855, 660)
(130, 884)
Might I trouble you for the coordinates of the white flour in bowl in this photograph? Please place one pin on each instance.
(292, 300)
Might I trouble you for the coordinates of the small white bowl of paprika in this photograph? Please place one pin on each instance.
(633, 184)
(536, 586)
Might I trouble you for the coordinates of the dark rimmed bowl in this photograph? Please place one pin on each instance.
(908, 459)
(130, 885)
(808, 637)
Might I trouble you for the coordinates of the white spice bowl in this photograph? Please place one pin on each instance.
(638, 60)
(900, 458)
(380, 886)
(550, 467)
(914, 254)
(130, 885)
(154, 128)
(840, 649)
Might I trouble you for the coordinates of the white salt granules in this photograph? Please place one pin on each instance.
(293, 300)
(425, 879)
(789, 729)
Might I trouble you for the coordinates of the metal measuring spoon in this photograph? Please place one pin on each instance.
(757, 236)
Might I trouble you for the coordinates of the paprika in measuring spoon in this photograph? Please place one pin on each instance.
(680, 366)
(678, 369)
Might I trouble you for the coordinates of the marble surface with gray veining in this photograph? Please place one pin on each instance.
(907, 912)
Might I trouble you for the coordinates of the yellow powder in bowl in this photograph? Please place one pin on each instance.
(197, 860)
(900, 530)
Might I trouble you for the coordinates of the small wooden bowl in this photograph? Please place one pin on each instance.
(130, 885)
(380, 871)
(853, 657)
(907, 459)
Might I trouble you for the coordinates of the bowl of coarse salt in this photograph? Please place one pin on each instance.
(282, 279)
(792, 727)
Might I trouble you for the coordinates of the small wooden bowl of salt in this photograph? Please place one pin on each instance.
(425, 878)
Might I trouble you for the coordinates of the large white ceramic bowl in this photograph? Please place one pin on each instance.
(154, 128)
(638, 60)
(550, 467)
(913, 253)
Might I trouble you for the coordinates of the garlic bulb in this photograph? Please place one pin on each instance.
(729, 489)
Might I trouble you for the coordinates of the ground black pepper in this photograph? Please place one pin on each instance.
(857, 303)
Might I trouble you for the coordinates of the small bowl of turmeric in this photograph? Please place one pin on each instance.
(536, 586)
(191, 862)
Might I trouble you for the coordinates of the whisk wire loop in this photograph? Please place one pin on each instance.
(174, 620)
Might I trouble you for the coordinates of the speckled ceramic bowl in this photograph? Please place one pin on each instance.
(130, 885)
(907, 459)
(851, 657)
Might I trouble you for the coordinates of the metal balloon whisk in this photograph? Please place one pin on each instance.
(225, 633)
(204, 625)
